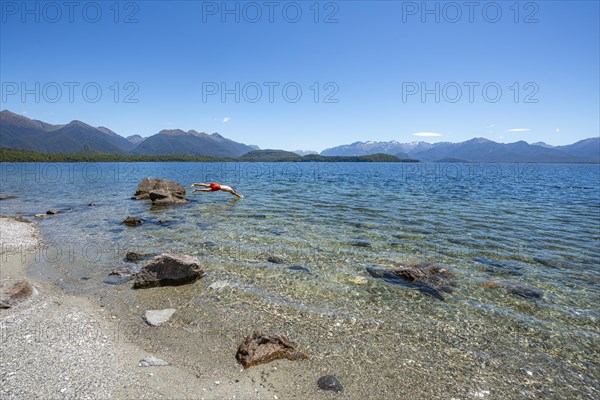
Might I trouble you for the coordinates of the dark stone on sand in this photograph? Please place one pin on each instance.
(524, 292)
(428, 278)
(259, 348)
(13, 292)
(7, 197)
(52, 212)
(329, 382)
(275, 260)
(160, 191)
(133, 221)
(168, 270)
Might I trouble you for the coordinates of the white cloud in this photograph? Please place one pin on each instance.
(557, 130)
(500, 137)
(428, 134)
(518, 130)
(226, 120)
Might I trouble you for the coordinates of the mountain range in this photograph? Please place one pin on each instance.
(76, 137)
(477, 150)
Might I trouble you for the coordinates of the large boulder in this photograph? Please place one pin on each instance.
(168, 270)
(259, 348)
(160, 191)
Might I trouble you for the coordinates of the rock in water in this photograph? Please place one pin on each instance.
(168, 270)
(259, 348)
(329, 382)
(275, 260)
(525, 292)
(429, 279)
(160, 191)
(118, 277)
(52, 212)
(152, 362)
(14, 292)
(7, 197)
(133, 221)
(158, 317)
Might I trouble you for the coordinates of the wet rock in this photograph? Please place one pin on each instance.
(329, 382)
(13, 292)
(133, 221)
(152, 362)
(7, 197)
(429, 279)
(525, 292)
(133, 256)
(40, 215)
(275, 260)
(168, 270)
(361, 243)
(158, 317)
(259, 348)
(118, 277)
(91, 204)
(160, 192)
(52, 212)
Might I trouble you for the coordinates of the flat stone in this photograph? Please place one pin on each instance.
(152, 362)
(158, 317)
(7, 197)
(40, 215)
(329, 382)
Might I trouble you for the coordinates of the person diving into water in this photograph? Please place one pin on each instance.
(213, 187)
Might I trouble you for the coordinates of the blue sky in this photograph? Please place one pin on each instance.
(366, 70)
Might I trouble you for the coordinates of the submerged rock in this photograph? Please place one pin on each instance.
(428, 278)
(52, 212)
(160, 192)
(133, 221)
(259, 348)
(13, 292)
(525, 292)
(298, 268)
(133, 256)
(329, 382)
(275, 260)
(158, 317)
(7, 197)
(168, 270)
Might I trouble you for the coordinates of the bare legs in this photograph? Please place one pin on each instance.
(224, 188)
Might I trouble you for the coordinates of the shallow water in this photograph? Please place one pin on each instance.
(530, 225)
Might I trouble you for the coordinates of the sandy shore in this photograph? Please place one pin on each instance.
(57, 345)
